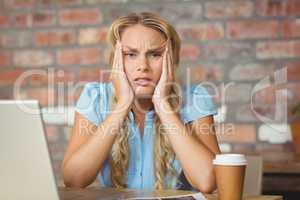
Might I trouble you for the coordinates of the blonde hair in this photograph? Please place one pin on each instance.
(163, 152)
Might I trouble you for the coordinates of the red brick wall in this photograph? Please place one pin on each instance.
(226, 42)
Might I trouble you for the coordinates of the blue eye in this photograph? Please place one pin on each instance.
(131, 55)
(156, 55)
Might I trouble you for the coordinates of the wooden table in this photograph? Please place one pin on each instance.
(94, 193)
(281, 172)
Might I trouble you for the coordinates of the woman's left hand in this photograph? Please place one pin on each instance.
(164, 85)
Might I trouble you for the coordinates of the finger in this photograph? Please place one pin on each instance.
(171, 61)
(164, 44)
(118, 55)
(120, 61)
(170, 50)
(121, 70)
(114, 63)
(114, 58)
(121, 64)
(164, 67)
(170, 67)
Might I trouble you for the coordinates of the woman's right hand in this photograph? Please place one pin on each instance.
(123, 91)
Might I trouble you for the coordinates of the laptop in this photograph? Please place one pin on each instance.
(25, 164)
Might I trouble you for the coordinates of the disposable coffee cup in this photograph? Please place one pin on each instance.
(230, 174)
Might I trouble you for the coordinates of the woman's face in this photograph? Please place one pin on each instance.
(143, 50)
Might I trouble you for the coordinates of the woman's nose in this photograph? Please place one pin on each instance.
(143, 64)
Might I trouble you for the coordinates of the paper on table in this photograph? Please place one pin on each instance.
(196, 196)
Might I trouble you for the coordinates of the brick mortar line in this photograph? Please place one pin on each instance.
(33, 30)
(104, 24)
(74, 46)
(97, 5)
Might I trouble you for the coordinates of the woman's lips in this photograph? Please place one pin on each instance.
(143, 82)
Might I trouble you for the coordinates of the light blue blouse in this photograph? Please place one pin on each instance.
(94, 104)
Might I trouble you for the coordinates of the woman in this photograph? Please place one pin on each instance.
(135, 132)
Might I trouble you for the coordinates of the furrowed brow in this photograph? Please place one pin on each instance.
(160, 48)
(131, 49)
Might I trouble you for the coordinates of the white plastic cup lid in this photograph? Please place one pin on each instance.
(230, 159)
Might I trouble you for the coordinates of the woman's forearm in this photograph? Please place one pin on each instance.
(195, 157)
(83, 166)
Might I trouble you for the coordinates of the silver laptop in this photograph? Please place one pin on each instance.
(25, 164)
